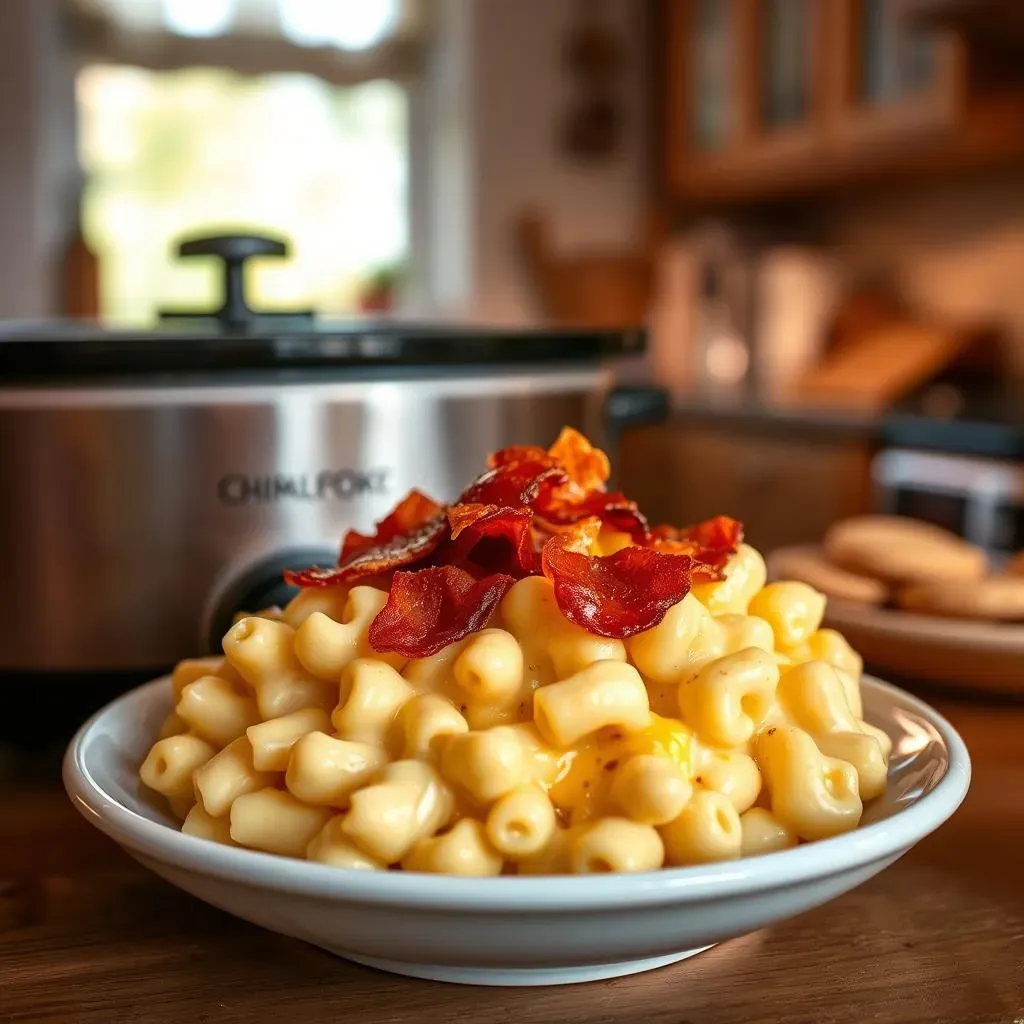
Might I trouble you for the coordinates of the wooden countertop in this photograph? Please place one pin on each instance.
(87, 936)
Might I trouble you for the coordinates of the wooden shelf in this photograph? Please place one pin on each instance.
(992, 136)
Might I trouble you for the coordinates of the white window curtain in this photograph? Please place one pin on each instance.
(340, 41)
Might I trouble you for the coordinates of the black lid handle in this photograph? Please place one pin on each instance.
(232, 248)
(233, 251)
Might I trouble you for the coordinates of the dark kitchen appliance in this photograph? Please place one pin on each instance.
(154, 483)
(953, 454)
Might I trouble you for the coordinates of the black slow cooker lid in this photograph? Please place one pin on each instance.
(236, 337)
(42, 350)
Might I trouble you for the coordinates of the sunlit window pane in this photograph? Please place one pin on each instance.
(198, 17)
(348, 24)
(204, 150)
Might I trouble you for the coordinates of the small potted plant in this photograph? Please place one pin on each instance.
(377, 294)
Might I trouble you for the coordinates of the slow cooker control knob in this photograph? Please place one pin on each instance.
(234, 250)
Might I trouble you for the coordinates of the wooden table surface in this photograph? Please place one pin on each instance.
(88, 936)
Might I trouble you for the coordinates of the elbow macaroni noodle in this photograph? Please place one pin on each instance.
(732, 728)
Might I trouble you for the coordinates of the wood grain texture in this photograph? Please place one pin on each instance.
(86, 936)
(968, 117)
(785, 488)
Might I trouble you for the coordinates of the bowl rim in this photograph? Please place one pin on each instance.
(888, 838)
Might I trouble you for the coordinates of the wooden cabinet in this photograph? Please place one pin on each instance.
(743, 90)
(892, 80)
(786, 488)
(770, 98)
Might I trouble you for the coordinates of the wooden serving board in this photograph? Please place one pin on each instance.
(881, 367)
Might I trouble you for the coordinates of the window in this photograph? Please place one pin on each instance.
(173, 153)
(314, 149)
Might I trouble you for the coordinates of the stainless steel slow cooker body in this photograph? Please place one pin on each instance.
(136, 518)
(153, 484)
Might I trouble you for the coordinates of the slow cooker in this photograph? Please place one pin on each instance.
(154, 483)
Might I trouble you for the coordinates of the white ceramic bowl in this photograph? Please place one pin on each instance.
(509, 930)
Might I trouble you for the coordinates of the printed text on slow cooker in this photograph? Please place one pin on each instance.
(329, 484)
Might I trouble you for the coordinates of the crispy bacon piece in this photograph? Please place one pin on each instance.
(515, 481)
(563, 484)
(516, 453)
(720, 533)
(491, 537)
(613, 508)
(412, 512)
(583, 494)
(588, 467)
(623, 514)
(398, 553)
(533, 511)
(432, 608)
(580, 536)
(618, 595)
(711, 543)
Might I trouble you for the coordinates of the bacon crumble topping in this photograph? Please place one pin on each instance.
(533, 512)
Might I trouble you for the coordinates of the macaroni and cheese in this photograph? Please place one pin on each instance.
(730, 725)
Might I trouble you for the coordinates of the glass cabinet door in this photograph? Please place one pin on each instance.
(784, 41)
(894, 59)
(712, 52)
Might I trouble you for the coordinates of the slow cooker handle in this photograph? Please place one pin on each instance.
(233, 251)
(629, 406)
(636, 406)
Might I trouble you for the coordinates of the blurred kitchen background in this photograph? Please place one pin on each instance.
(816, 205)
